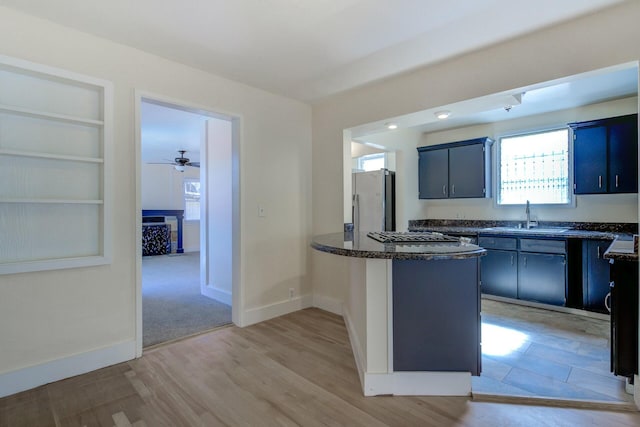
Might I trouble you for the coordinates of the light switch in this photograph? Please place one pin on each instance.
(261, 211)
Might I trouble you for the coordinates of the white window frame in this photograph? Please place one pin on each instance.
(184, 198)
(383, 155)
(571, 203)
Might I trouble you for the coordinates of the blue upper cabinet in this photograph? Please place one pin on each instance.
(605, 155)
(455, 170)
(623, 155)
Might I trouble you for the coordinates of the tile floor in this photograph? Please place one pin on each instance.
(532, 352)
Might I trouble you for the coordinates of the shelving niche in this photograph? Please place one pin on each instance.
(55, 148)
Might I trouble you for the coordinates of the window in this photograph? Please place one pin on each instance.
(372, 162)
(191, 199)
(534, 167)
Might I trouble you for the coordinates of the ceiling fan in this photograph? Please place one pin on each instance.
(180, 163)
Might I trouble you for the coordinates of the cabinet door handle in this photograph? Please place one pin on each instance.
(511, 259)
(444, 190)
(598, 252)
(599, 181)
(607, 302)
(453, 189)
(525, 262)
(616, 181)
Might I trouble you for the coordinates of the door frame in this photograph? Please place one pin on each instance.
(235, 119)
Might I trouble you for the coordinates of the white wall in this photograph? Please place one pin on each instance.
(51, 316)
(162, 188)
(585, 44)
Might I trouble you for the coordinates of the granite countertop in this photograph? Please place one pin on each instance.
(569, 230)
(361, 246)
(621, 250)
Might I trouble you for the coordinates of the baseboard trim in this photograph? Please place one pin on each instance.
(266, 312)
(418, 384)
(55, 370)
(356, 348)
(554, 402)
(220, 295)
(332, 305)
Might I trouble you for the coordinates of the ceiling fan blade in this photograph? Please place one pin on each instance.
(194, 164)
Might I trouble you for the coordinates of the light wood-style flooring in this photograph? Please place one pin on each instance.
(295, 370)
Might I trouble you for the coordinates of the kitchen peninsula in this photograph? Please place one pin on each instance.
(412, 310)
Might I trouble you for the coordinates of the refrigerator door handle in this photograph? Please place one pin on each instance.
(356, 212)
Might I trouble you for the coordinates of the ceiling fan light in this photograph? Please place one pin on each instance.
(180, 168)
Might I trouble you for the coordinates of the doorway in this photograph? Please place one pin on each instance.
(185, 261)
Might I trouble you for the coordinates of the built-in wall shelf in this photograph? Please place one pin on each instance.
(50, 156)
(55, 168)
(49, 116)
(54, 201)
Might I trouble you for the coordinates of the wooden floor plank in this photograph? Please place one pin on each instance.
(295, 370)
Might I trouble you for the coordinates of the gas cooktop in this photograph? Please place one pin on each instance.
(410, 237)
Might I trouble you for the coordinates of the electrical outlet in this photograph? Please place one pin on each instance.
(261, 211)
(291, 293)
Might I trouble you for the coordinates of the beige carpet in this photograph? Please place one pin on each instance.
(172, 306)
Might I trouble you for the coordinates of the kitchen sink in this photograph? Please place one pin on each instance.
(536, 230)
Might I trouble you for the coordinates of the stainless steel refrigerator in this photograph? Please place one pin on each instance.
(374, 200)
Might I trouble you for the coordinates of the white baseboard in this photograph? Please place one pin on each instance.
(216, 294)
(405, 383)
(55, 370)
(356, 347)
(418, 384)
(266, 312)
(331, 305)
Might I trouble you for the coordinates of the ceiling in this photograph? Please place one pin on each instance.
(307, 49)
(573, 91)
(166, 130)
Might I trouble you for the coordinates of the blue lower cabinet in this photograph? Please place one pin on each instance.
(436, 315)
(542, 278)
(499, 273)
(595, 275)
(532, 269)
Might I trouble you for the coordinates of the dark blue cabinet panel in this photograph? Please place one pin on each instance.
(605, 155)
(623, 152)
(433, 174)
(595, 275)
(455, 170)
(436, 315)
(466, 171)
(542, 277)
(590, 159)
(624, 318)
(499, 273)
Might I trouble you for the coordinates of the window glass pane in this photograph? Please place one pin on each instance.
(535, 167)
(191, 199)
(372, 162)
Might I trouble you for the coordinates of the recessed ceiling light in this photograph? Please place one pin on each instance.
(442, 114)
(391, 126)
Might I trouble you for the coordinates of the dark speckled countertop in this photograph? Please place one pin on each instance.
(569, 230)
(621, 250)
(360, 246)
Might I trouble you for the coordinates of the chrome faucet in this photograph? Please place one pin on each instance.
(529, 224)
